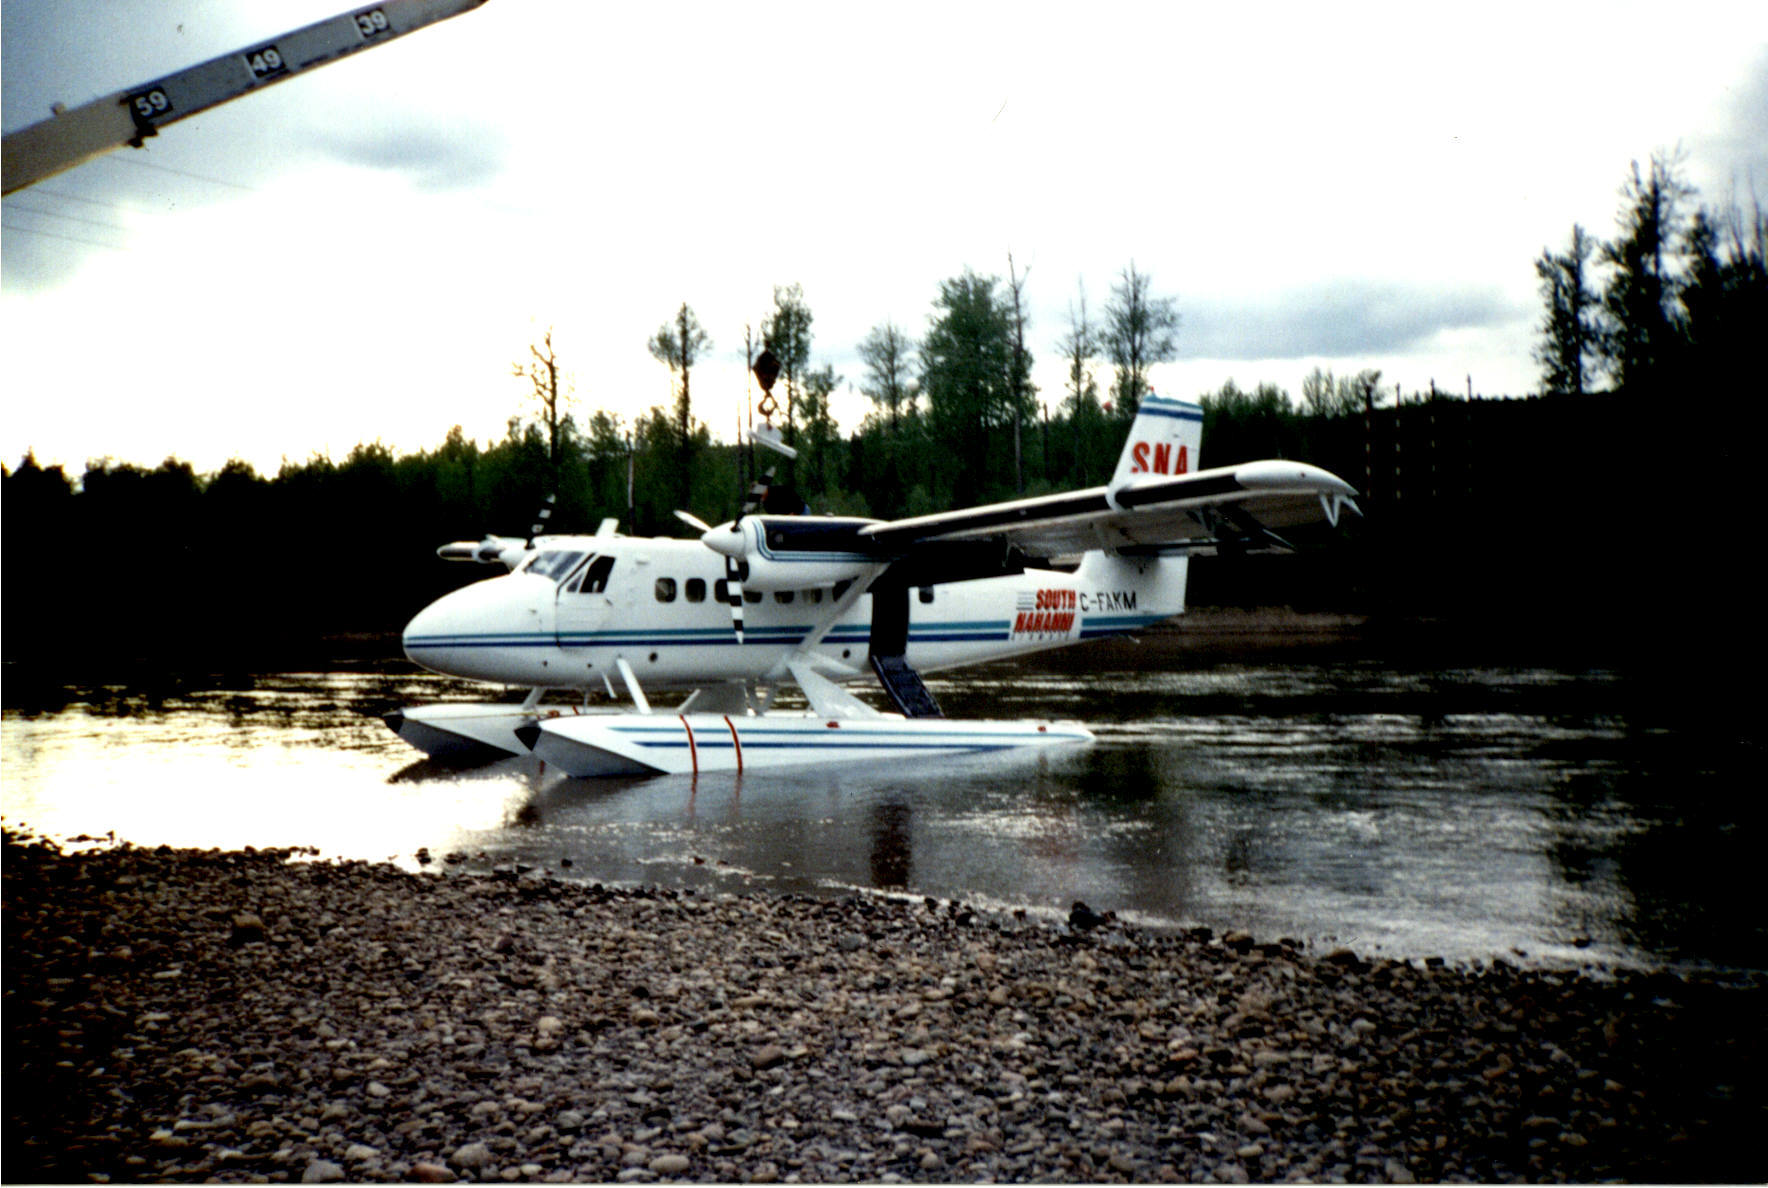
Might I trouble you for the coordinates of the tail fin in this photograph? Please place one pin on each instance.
(1165, 438)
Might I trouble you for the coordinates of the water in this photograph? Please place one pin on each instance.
(1569, 817)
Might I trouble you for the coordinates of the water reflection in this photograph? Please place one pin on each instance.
(890, 865)
(1462, 812)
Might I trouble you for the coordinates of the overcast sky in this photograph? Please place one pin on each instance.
(362, 252)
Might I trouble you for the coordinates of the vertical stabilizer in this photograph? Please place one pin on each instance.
(1165, 439)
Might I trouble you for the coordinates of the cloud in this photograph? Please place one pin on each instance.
(433, 159)
(1340, 319)
(1736, 151)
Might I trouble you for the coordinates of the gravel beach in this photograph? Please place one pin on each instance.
(260, 1016)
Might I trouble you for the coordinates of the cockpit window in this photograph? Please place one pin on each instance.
(595, 576)
(555, 563)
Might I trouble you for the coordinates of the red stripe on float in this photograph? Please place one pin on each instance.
(736, 742)
(693, 751)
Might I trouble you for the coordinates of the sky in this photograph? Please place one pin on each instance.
(363, 252)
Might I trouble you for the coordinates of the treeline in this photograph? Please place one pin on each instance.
(1502, 512)
(1674, 302)
(1497, 509)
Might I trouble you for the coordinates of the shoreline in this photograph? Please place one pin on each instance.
(177, 1015)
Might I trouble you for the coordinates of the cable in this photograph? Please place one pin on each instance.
(132, 159)
(50, 214)
(53, 235)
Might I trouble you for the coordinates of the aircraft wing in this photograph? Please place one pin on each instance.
(1230, 506)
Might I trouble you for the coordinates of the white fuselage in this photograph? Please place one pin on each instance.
(655, 604)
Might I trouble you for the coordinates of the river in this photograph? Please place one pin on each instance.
(1396, 805)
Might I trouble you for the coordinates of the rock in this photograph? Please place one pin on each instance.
(1082, 918)
(883, 1042)
(322, 1171)
(471, 1156)
(248, 927)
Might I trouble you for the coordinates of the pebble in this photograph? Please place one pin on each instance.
(471, 1156)
(504, 1027)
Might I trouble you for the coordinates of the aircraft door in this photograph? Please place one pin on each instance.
(588, 603)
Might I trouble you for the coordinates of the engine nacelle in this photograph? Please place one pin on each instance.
(493, 550)
(762, 573)
(794, 552)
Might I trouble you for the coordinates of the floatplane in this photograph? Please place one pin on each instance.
(770, 601)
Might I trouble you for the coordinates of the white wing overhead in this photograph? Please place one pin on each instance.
(1230, 506)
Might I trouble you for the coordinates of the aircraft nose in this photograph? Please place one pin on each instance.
(426, 631)
(472, 631)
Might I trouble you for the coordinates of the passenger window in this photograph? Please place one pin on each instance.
(721, 592)
(813, 595)
(782, 596)
(926, 593)
(665, 589)
(696, 590)
(751, 595)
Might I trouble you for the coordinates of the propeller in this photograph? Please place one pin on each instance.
(735, 567)
(540, 519)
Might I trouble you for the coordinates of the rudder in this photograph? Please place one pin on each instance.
(1165, 439)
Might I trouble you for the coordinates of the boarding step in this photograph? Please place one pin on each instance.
(905, 687)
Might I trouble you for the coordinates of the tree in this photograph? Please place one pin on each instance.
(1725, 297)
(609, 450)
(1240, 425)
(1640, 299)
(1325, 396)
(786, 332)
(820, 436)
(1140, 330)
(889, 355)
(1020, 375)
(1086, 417)
(550, 390)
(967, 375)
(678, 345)
(1367, 388)
(1569, 330)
